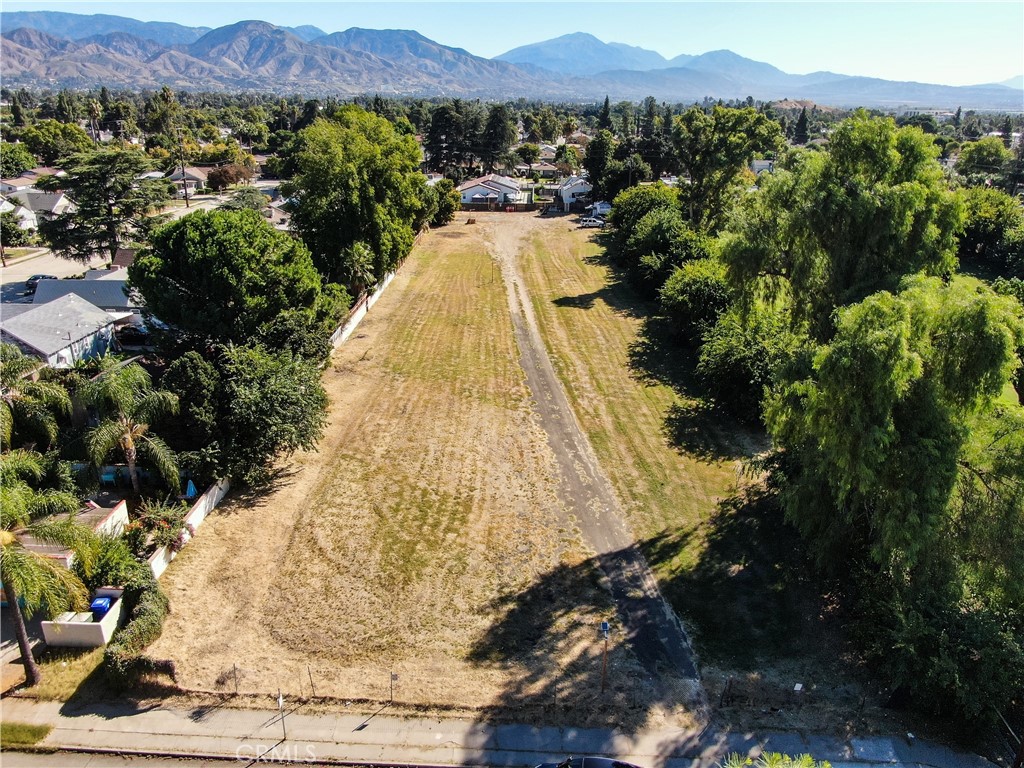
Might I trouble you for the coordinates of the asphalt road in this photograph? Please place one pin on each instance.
(17, 271)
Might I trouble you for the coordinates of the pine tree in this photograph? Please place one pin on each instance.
(1007, 132)
(800, 135)
(604, 117)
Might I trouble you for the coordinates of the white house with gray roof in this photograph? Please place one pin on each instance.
(61, 332)
(109, 294)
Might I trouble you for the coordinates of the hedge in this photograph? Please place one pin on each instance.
(124, 660)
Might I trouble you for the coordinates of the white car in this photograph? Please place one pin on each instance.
(590, 221)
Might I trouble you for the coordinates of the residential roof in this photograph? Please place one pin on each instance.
(491, 181)
(51, 327)
(191, 172)
(124, 257)
(38, 201)
(20, 181)
(107, 293)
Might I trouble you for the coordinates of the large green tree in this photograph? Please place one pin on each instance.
(272, 405)
(357, 180)
(983, 160)
(50, 140)
(498, 135)
(876, 419)
(713, 148)
(228, 276)
(846, 223)
(15, 159)
(596, 161)
(111, 204)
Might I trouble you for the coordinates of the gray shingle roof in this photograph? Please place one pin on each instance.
(51, 327)
(108, 294)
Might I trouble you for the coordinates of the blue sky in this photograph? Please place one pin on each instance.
(954, 43)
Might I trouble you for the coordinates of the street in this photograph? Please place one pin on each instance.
(42, 262)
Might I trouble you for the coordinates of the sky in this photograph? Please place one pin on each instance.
(952, 43)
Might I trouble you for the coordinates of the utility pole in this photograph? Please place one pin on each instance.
(604, 660)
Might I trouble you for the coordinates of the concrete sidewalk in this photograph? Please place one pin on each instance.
(251, 734)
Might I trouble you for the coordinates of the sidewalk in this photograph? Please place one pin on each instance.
(251, 734)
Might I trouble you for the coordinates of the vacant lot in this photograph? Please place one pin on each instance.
(426, 536)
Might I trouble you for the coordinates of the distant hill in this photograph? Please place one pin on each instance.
(48, 49)
(75, 26)
(580, 53)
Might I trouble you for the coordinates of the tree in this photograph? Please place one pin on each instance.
(876, 421)
(111, 203)
(623, 174)
(33, 581)
(983, 160)
(357, 181)
(567, 158)
(695, 296)
(993, 230)
(228, 276)
(129, 405)
(630, 206)
(28, 408)
(660, 242)
(498, 135)
(246, 198)
(448, 202)
(162, 114)
(224, 176)
(529, 154)
(604, 117)
(740, 355)
(713, 148)
(50, 140)
(274, 404)
(599, 155)
(11, 233)
(1007, 132)
(800, 132)
(15, 159)
(845, 223)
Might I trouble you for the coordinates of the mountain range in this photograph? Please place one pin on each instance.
(48, 49)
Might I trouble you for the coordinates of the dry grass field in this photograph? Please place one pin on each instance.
(426, 537)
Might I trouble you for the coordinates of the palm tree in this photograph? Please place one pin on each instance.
(126, 395)
(33, 581)
(28, 405)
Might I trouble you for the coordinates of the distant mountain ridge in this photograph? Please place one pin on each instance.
(48, 49)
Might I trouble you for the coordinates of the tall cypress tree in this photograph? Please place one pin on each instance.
(604, 117)
(800, 135)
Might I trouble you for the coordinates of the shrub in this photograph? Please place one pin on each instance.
(123, 660)
(695, 296)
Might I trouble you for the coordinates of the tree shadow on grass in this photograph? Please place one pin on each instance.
(751, 595)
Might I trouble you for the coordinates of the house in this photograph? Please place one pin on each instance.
(574, 192)
(542, 169)
(28, 179)
(109, 294)
(762, 166)
(124, 258)
(493, 189)
(104, 517)
(45, 205)
(61, 332)
(26, 219)
(188, 180)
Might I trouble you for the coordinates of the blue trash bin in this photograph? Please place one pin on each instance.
(99, 607)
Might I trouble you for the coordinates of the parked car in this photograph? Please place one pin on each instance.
(588, 762)
(32, 282)
(591, 221)
(132, 335)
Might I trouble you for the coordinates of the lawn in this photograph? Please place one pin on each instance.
(13, 735)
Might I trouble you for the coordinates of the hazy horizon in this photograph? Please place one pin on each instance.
(951, 43)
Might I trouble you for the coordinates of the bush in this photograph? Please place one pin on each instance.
(695, 296)
(123, 660)
(739, 357)
(114, 565)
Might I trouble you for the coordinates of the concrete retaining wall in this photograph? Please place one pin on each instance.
(202, 507)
